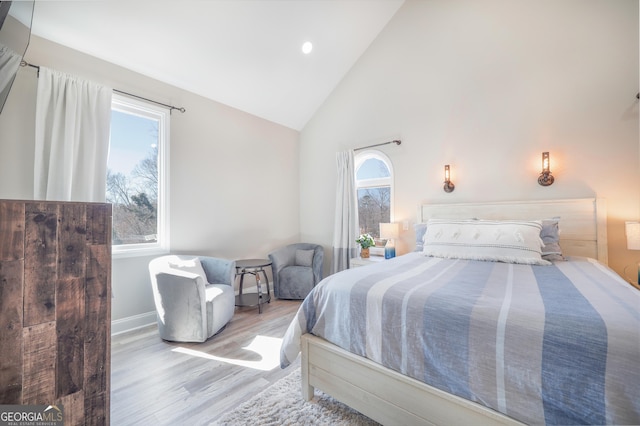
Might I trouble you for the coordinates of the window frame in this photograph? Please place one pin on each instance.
(359, 159)
(162, 114)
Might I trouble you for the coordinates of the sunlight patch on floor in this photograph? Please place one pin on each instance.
(268, 349)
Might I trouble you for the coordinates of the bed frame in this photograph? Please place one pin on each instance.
(389, 397)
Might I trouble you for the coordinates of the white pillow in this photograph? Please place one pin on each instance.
(189, 265)
(510, 241)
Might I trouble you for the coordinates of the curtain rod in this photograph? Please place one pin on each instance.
(24, 63)
(396, 141)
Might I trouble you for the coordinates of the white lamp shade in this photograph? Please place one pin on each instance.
(389, 230)
(632, 230)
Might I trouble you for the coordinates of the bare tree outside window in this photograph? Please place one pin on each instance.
(132, 175)
(373, 182)
(135, 202)
(374, 207)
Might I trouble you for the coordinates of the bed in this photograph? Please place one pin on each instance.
(480, 350)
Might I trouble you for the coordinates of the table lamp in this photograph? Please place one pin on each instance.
(389, 232)
(632, 231)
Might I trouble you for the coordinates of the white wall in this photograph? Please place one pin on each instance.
(233, 176)
(486, 86)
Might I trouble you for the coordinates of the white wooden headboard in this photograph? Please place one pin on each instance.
(583, 222)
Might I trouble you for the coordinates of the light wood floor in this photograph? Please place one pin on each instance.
(154, 382)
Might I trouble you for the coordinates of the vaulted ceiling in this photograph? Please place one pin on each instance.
(244, 53)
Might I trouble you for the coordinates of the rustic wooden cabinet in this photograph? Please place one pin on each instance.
(55, 307)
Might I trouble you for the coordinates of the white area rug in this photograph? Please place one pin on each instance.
(282, 404)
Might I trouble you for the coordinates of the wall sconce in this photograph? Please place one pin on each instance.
(448, 185)
(545, 178)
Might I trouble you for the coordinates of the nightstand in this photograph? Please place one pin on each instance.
(358, 261)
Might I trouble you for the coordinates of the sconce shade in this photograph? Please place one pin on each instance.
(632, 230)
(545, 178)
(448, 185)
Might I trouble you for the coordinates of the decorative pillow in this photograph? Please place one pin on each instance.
(510, 241)
(420, 229)
(304, 257)
(550, 235)
(189, 265)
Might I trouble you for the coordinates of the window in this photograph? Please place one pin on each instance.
(374, 184)
(137, 176)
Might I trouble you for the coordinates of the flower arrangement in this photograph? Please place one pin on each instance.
(365, 241)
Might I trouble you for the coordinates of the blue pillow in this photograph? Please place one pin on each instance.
(420, 229)
(550, 235)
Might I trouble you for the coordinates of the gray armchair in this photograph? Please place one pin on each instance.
(296, 268)
(194, 296)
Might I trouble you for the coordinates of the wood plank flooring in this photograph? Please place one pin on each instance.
(165, 383)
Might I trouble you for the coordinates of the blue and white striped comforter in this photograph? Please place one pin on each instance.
(555, 344)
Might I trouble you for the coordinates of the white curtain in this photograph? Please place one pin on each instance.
(73, 119)
(345, 229)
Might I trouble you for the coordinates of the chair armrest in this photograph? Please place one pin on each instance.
(182, 280)
(174, 290)
(219, 271)
(180, 302)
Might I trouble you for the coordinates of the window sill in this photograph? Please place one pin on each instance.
(139, 252)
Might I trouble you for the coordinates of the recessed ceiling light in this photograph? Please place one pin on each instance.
(307, 47)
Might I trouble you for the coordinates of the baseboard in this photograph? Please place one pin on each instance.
(132, 323)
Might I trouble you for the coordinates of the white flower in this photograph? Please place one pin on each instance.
(365, 241)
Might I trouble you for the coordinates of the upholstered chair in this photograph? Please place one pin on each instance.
(296, 268)
(194, 296)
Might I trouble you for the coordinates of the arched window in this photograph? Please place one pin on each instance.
(374, 184)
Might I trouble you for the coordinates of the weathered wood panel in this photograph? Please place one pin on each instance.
(70, 317)
(39, 363)
(41, 226)
(74, 413)
(98, 306)
(11, 331)
(99, 224)
(72, 239)
(96, 409)
(11, 230)
(55, 307)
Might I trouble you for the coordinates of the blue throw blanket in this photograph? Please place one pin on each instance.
(556, 344)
